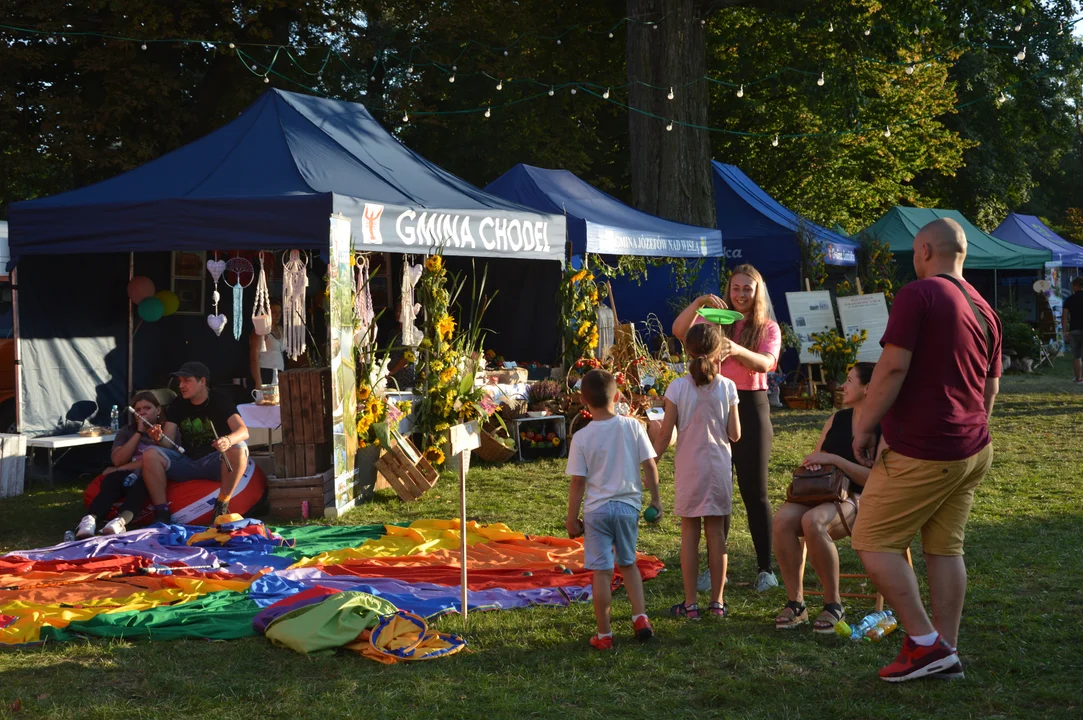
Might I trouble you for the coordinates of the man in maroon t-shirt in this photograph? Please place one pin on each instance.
(932, 391)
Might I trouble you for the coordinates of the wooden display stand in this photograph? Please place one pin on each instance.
(305, 450)
(405, 469)
(287, 495)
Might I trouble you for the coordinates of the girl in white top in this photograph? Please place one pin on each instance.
(702, 405)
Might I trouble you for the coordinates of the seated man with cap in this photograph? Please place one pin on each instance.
(197, 416)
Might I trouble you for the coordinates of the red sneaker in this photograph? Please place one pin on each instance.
(916, 661)
(602, 643)
(643, 629)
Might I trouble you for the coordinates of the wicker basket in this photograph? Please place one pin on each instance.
(492, 450)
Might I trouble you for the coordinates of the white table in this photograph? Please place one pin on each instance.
(64, 443)
(264, 417)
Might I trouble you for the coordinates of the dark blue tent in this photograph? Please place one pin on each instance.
(272, 178)
(599, 223)
(1029, 231)
(760, 231)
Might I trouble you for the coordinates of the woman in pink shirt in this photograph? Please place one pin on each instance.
(750, 350)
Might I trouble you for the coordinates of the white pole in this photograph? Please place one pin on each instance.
(462, 532)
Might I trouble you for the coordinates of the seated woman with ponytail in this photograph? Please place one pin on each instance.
(803, 528)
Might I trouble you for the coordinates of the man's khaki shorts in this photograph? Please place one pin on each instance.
(904, 496)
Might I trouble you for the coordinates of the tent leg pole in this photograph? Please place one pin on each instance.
(131, 270)
(18, 353)
(996, 289)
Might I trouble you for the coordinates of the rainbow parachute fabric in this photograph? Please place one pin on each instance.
(310, 588)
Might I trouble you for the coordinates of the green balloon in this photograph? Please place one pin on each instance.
(151, 309)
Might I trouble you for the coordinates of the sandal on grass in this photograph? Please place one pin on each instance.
(719, 609)
(690, 612)
(794, 614)
(832, 615)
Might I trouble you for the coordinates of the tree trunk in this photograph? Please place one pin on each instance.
(671, 169)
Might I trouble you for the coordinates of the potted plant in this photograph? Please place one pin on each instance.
(544, 396)
(1019, 339)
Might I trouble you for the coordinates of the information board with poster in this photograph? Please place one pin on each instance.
(340, 326)
(865, 312)
(810, 312)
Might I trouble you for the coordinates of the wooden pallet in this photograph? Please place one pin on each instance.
(302, 460)
(287, 494)
(305, 396)
(406, 470)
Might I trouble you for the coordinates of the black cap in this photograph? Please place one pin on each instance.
(194, 369)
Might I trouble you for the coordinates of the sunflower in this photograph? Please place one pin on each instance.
(437, 365)
(434, 263)
(409, 357)
(578, 276)
(448, 375)
(435, 455)
(363, 393)
(445, 326)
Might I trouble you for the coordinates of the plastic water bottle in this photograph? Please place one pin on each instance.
(114, 419)
(130, 480)
(69, 536)
(881, 629)
(867, 623)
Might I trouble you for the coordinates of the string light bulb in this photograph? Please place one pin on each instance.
(505, 53)
(774, 143)
(574, 91)
(741, 91)
(703, 22)
(232, 46)
(487, 112)
(887, 131)
(868, 31)
(499, 84)
(669, 125)
(820, 80)
(1021, 55)
(611, 35)
(451, 78)
(654, 25)
(558, 41)
(670, 95)
(551, 91)
(962, 34)
(410, 69)
(605, 95)
(916, 30)
(144, 46)
(266, 79)
(1002, 99)
(405, 117)
(909, 69)
(831, 27)
(1019, 27)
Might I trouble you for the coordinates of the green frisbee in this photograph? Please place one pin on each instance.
(719, 316)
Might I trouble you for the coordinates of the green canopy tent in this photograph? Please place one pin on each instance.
(984, 252)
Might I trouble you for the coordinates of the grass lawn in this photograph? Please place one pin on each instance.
(1023, 611)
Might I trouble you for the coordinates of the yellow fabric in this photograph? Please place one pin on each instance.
(404, 632)
(31, 616)
(420, 538)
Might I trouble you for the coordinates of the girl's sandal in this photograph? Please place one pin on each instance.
(690, 612)
(832, 614)
(718, 609)
(794, 614)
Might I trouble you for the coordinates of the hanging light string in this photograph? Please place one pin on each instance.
(409, 63)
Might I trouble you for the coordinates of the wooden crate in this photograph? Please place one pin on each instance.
(302, 460)
(286, 494)
(305, 397)
(406, 470)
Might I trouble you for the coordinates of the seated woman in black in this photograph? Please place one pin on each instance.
(798, 528)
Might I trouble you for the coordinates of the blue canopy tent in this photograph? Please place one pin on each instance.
(763, 233)
(271, 178)
(1030, 232)
(599, 223)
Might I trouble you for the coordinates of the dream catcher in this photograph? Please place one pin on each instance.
(364, 312)
(261, 308)
(240, 267)
(408, 309)
(294, 284)
(216, 321)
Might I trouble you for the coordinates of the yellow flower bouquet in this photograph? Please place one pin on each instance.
(837, 352)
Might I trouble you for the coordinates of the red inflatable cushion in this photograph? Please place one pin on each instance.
(192, 502)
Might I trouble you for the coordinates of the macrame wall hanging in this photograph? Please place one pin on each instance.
(364, 312)
(408, 309)
(261, 308)
(241, 268)
(294, 285)
(216, 320)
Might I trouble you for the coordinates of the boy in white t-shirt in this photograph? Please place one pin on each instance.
(604, 461)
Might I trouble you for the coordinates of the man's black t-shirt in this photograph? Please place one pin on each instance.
(195, 422)
(1074, 306)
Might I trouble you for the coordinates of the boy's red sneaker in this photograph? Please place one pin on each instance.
(916, 661)
(601, 643)
(643, 629)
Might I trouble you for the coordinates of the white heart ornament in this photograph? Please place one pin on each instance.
(216, 268)
(217, 323)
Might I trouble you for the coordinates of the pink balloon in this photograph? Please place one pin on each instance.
(140, 288)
